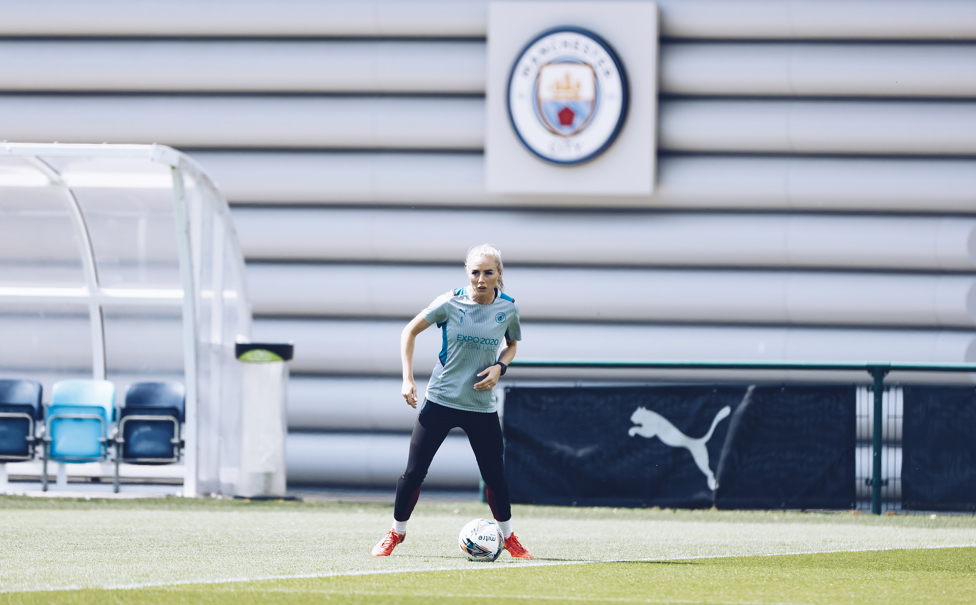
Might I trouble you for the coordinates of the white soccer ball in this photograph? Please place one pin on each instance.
(481, 540)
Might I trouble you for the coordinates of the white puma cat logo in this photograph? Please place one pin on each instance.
(653, 424)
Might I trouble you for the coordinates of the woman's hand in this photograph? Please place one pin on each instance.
(491, 374)
(409, 392)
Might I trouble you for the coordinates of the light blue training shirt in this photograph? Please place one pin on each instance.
(472, 335)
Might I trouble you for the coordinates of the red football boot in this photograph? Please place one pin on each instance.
(385, 546)
(515, 549)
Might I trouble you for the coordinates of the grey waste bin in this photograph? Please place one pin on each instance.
(264, 418)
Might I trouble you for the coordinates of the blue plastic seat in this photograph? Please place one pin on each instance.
(20, 410)
(149, 425)
(77, 422)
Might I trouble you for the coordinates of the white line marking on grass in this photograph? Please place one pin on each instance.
(528, 597)
(511, 565)
(308, 576)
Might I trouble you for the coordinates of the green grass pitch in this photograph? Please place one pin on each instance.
(223, 551)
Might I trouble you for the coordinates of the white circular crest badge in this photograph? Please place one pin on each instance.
(567, 96)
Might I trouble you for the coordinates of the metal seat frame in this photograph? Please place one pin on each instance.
(119, 441)
(31, 437)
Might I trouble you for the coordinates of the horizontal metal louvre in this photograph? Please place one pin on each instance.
(821, 69)
(709, 19)
(458, 67)
(818, 127)
(716, 182)
(709, 126)
(904, 243)
(233, 18)
(249, 121)
(633, 295)
(255, 66)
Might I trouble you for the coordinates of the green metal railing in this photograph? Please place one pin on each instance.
(877, 370)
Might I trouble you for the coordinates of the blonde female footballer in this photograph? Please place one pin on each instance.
(480, 327)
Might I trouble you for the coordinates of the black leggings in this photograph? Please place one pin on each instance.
(485, 435)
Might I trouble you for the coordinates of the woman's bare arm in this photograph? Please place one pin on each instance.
(408, 339)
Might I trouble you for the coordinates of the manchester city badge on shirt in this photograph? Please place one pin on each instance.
(567, 96)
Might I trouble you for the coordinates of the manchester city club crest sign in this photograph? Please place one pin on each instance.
(567, 96)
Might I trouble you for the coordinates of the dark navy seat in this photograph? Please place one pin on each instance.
(20, 411)
(149, 425)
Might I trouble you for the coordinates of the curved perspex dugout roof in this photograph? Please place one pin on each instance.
(121, 262)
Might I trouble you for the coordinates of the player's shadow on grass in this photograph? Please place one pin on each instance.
(560, 560)
(453, 557)
(503, 558)
(658, 562)
(636, 562)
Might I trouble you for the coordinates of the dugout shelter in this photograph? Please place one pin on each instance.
(121, 262)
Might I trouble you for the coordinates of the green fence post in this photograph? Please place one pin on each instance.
(878, 373)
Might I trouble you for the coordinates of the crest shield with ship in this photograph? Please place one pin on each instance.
(566, 96)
